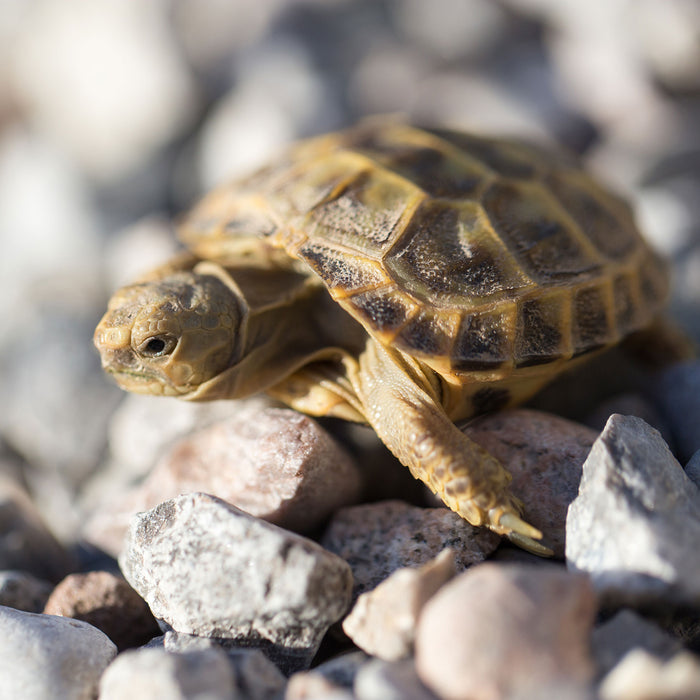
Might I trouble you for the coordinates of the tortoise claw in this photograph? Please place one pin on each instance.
(523, 534)
(529, 545)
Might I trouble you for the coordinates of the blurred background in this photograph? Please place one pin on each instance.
(115, 116)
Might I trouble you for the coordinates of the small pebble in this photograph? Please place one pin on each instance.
(107, 602)
(331, 680)
(43, 657)
(155, 674)
(209, 569)
(626, 631)
(390, 680)
(546, 471)
(376, 539)
(25, 542)
(501, 628)
(635, 525)
(642, 676)
(22, 591)
(383, 620)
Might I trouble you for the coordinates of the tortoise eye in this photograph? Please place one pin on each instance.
(157, 346)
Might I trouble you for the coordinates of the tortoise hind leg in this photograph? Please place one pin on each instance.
(401, 406)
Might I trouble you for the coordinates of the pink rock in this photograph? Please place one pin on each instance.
(545, 454)
(275, 464)
(498, 628)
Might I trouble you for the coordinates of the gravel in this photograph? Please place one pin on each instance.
(112, 122)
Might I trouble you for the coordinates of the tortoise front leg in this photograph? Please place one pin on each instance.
(400, 404)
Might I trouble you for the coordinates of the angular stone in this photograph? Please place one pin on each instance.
(640, 675)
(25, 542)
(627, 631)
(376, 539)
(107, 602)
(209, 569)
(499, 628)
(677, 392)
(383, 620)
(692, 469)
(43, 657)
(23, 591)
(635, 525)
(144, 674)
(546, 471)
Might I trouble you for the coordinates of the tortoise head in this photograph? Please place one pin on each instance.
(170, 336)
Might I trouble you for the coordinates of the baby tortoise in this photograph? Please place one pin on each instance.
(407, 278)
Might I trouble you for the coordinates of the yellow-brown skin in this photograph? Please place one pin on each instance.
(399, 277)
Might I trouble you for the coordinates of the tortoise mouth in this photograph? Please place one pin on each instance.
(145, 382)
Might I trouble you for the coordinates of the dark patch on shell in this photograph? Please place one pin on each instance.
(490, 399)
(589, 320)
(538, 337)
(481, 344)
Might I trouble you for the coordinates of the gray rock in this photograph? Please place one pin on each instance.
(25, 542)
(147, 674)
(43, 657)
(209, 569)
(546, 471)
(499, 628)
(635, 524)
(627, 630)
(22, 591)
(331, 680)
(383, 620)
(642, 676)
(692, 469)
(677, 392)
(384, 680)
(378, 538)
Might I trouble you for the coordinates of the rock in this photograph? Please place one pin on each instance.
(397, 680)
(692, 469)
(331, 680)
(145, 674)
(25, 542)
(106, 602)
(641, 676)
(533, 622)
(677, 392)
(23, 591)
(209, 569)
(376, 539)
(627, 631)
(109, 126)
(546, 471)
(635, 525)
(43, 657)
(383, 620)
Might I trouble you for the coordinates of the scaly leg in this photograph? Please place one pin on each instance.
(401, 404)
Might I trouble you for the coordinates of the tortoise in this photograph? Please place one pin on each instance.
(403, 277)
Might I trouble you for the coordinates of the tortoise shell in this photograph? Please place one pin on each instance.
(473, 253)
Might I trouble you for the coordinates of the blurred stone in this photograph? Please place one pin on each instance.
(376, 539)
(692, 469)
(23, 591)
(25, 542)
(330, 680)
(106, 602)
(395, 680)
(275, 464)
(145, 674)
(209, 569)
(641, 676)
(546, 471)
(626, 631)
(635, 525)
(383, 621)
(43, 657)
(677, 392)
(502, 630)
(129, 89)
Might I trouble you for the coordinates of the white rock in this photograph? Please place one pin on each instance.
(209, 569)
(635, 525)
(155, 674)
(129, 90)
(43, 657)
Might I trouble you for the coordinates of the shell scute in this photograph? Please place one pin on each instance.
(484, 341)
(540, 330)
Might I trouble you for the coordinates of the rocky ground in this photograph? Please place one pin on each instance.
(302, 561)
